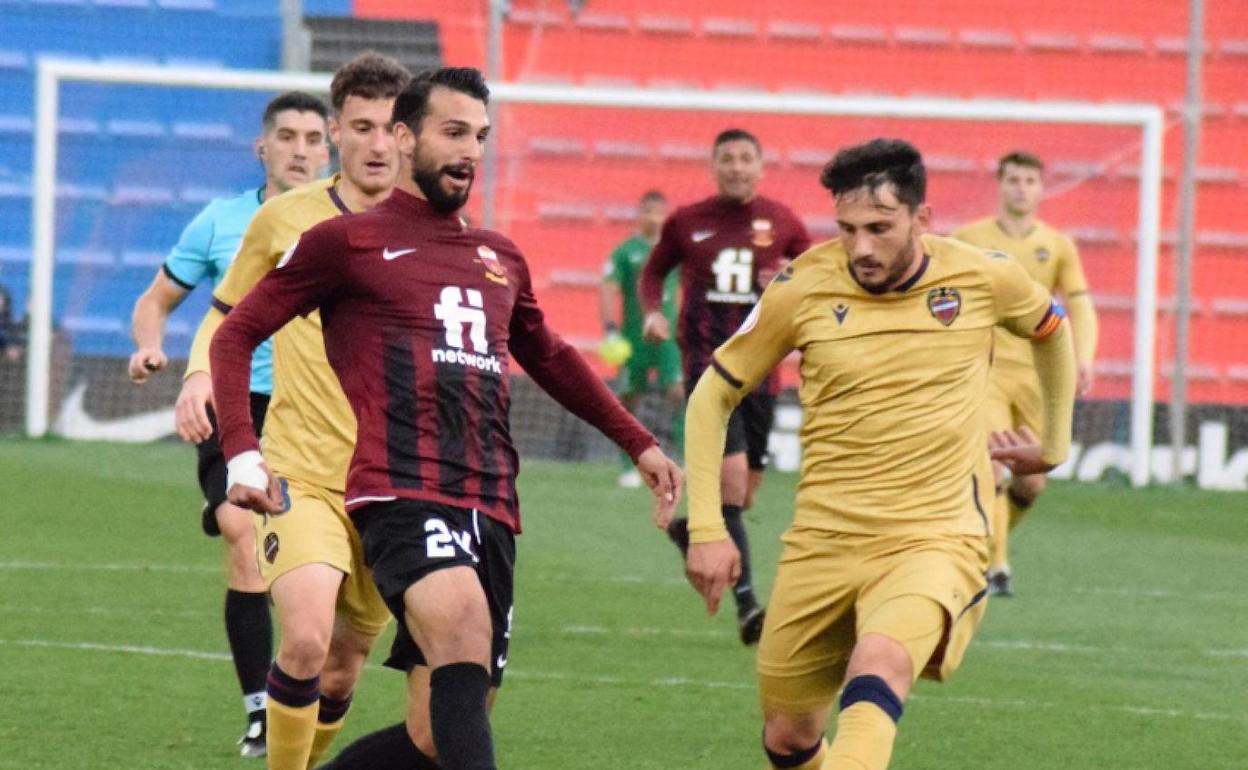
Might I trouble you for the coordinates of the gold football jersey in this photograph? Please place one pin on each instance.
(309, 433)
(1050, 258)
(894, 436)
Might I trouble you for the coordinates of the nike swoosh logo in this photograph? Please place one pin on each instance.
(502, 661)
(74, 422)
(702, 235)
(388, 255)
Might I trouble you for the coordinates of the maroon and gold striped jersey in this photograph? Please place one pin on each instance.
(420, 315)
(721, 247)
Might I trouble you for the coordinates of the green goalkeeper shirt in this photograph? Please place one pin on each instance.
(624, 270)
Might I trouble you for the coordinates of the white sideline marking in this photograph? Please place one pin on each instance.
(553, 676)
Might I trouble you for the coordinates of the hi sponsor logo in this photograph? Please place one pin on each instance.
(461, 311)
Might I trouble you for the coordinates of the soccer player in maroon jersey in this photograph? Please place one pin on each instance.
(728, 248)
(420, 314)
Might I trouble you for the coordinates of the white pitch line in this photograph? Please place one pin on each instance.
(117, 567)
(125, 648)
(1024, 645)
(665, 682)
(32, 609)
(639, 580)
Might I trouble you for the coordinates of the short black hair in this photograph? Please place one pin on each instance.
(368, 76)
(875, 163)
(299, 101)
(413, 104)
(652, 196)
(1019, 158)
(733, 135)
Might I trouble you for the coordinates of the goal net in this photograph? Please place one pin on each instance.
(126, 156)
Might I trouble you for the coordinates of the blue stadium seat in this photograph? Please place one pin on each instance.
(327, 7)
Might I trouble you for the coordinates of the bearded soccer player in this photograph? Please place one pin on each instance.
(881, 578)
(621, 314)
(293, 149)
(1014, 395)
(727, 247)
(310, 557)
(420, 314)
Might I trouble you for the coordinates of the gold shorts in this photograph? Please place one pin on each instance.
(829, 582)
(316, 530)
(1014, 400)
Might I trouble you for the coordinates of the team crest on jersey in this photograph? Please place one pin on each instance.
(945, 304)
(840, 311)
(1042, 254)
(271, 546)
(495, 270)
(762, 234)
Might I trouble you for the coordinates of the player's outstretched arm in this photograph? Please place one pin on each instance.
(712, 562)
(561, 371)
(1022, 452)
(147, 324)
(1027, 310)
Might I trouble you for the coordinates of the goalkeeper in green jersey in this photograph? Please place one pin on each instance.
(645, 365)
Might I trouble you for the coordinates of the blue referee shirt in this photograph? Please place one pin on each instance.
(206, 249)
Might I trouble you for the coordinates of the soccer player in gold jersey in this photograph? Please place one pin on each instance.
(881, 578)
(328, 608)
(1014, 393)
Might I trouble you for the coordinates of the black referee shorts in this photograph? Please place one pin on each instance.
(405, 540)
(749, 427)
(211, 464)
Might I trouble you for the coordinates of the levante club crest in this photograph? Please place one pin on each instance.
(945, 304)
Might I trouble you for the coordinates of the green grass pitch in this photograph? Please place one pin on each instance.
(1126, 647)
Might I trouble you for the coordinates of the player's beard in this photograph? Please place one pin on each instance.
(429, 180)
(896, 270)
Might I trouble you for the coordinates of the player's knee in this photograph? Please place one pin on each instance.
(235, 524)
(882, 657)
(303, 650)
(787, 735)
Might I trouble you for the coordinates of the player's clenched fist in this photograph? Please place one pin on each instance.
(144, 362)
(250, 485)
(656, 327)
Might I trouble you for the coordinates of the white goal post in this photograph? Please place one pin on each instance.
(1147, 118)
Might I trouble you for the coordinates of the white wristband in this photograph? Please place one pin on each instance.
(246, 469)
